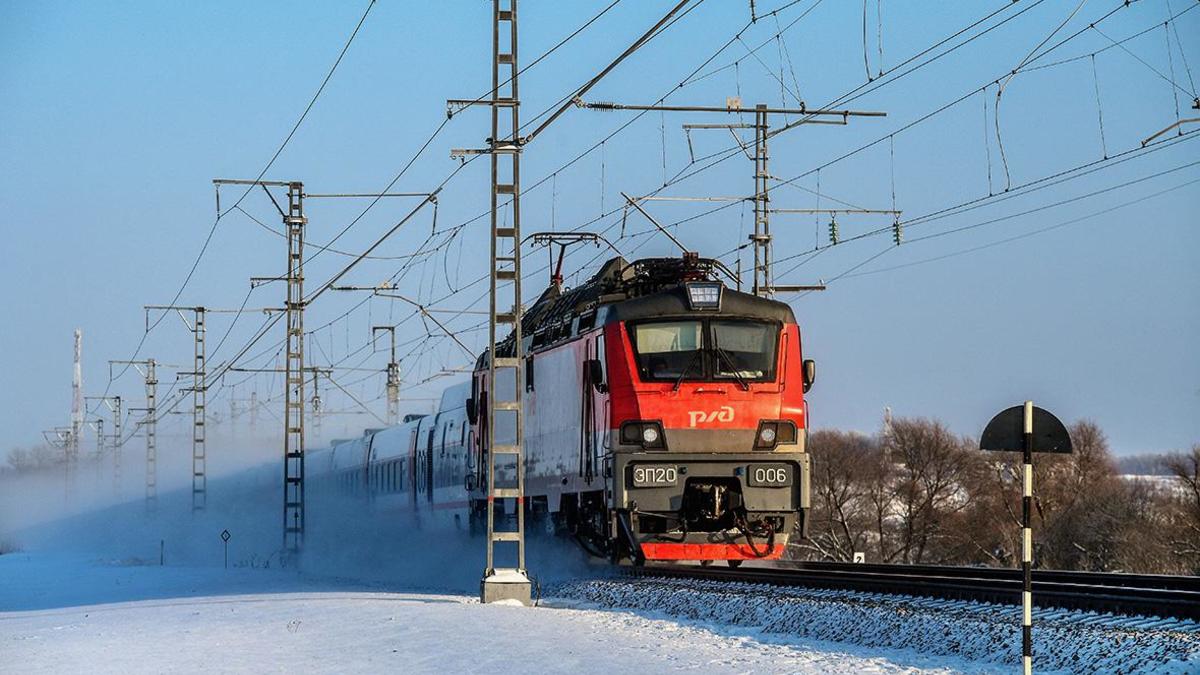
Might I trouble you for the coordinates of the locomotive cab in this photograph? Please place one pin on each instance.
(709, 421)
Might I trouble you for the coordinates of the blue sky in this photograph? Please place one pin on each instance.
(117, 117)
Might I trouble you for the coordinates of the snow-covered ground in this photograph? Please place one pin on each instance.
(73, 614)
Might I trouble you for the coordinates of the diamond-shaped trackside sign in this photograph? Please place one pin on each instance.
(225, 535)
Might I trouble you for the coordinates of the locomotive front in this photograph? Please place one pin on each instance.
(707, 425)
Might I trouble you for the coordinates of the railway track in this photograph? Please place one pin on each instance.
(1132, 594)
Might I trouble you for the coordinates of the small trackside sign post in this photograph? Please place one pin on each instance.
(225, 540)
(1026, 429)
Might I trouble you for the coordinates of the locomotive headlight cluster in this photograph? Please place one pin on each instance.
(646, 433)
(774, 432)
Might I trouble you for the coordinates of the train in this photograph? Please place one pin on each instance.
(664, 420)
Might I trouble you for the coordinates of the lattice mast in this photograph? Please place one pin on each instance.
(199, 391)
(763, 281)
(505, 309)
(76, 398)
(393, 377)
(504, 147)
(148, 424)
(293, 409)
(151, 429)
(199, 412)
(116, 406)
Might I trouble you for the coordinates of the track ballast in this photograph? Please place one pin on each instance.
(1133, 594)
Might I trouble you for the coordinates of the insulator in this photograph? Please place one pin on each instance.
(897, 232)
(833, 233)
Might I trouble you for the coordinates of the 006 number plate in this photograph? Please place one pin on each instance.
(655, 475)
(769, 475)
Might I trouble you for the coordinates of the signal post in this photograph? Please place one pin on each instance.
(1013, 430)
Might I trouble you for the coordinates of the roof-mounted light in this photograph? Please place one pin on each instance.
(704, 295)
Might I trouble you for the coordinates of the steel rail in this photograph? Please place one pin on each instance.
(1121, 579)
(1130, 594)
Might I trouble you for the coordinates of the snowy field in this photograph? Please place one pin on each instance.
(68, 614)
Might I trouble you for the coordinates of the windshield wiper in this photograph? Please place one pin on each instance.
(733, 366)
(686, 368)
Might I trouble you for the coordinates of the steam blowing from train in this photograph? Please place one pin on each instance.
(664, 419)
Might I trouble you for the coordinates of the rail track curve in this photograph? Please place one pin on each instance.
(1131, 594)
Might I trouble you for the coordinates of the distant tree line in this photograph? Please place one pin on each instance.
(916, 493)
(34, 458)
(1144, 464)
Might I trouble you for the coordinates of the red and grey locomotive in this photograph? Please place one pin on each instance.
(664, 419)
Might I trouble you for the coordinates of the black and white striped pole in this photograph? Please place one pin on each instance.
(1027, 541)
(1014, 430)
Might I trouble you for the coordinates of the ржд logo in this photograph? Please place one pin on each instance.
(722, 414)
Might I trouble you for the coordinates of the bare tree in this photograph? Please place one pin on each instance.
(19, 459)
(1183, 523)
(839, 524)
(933, 466)
(37, 457)
(1077, 499)
(1086, 516)
(988, 529)
(880, 489)
(1186, 468)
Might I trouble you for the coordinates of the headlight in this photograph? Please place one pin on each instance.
(772, 433)
(704, 295)
(767, 435)
(646, 433)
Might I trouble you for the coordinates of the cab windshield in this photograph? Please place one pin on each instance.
(706, 350)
